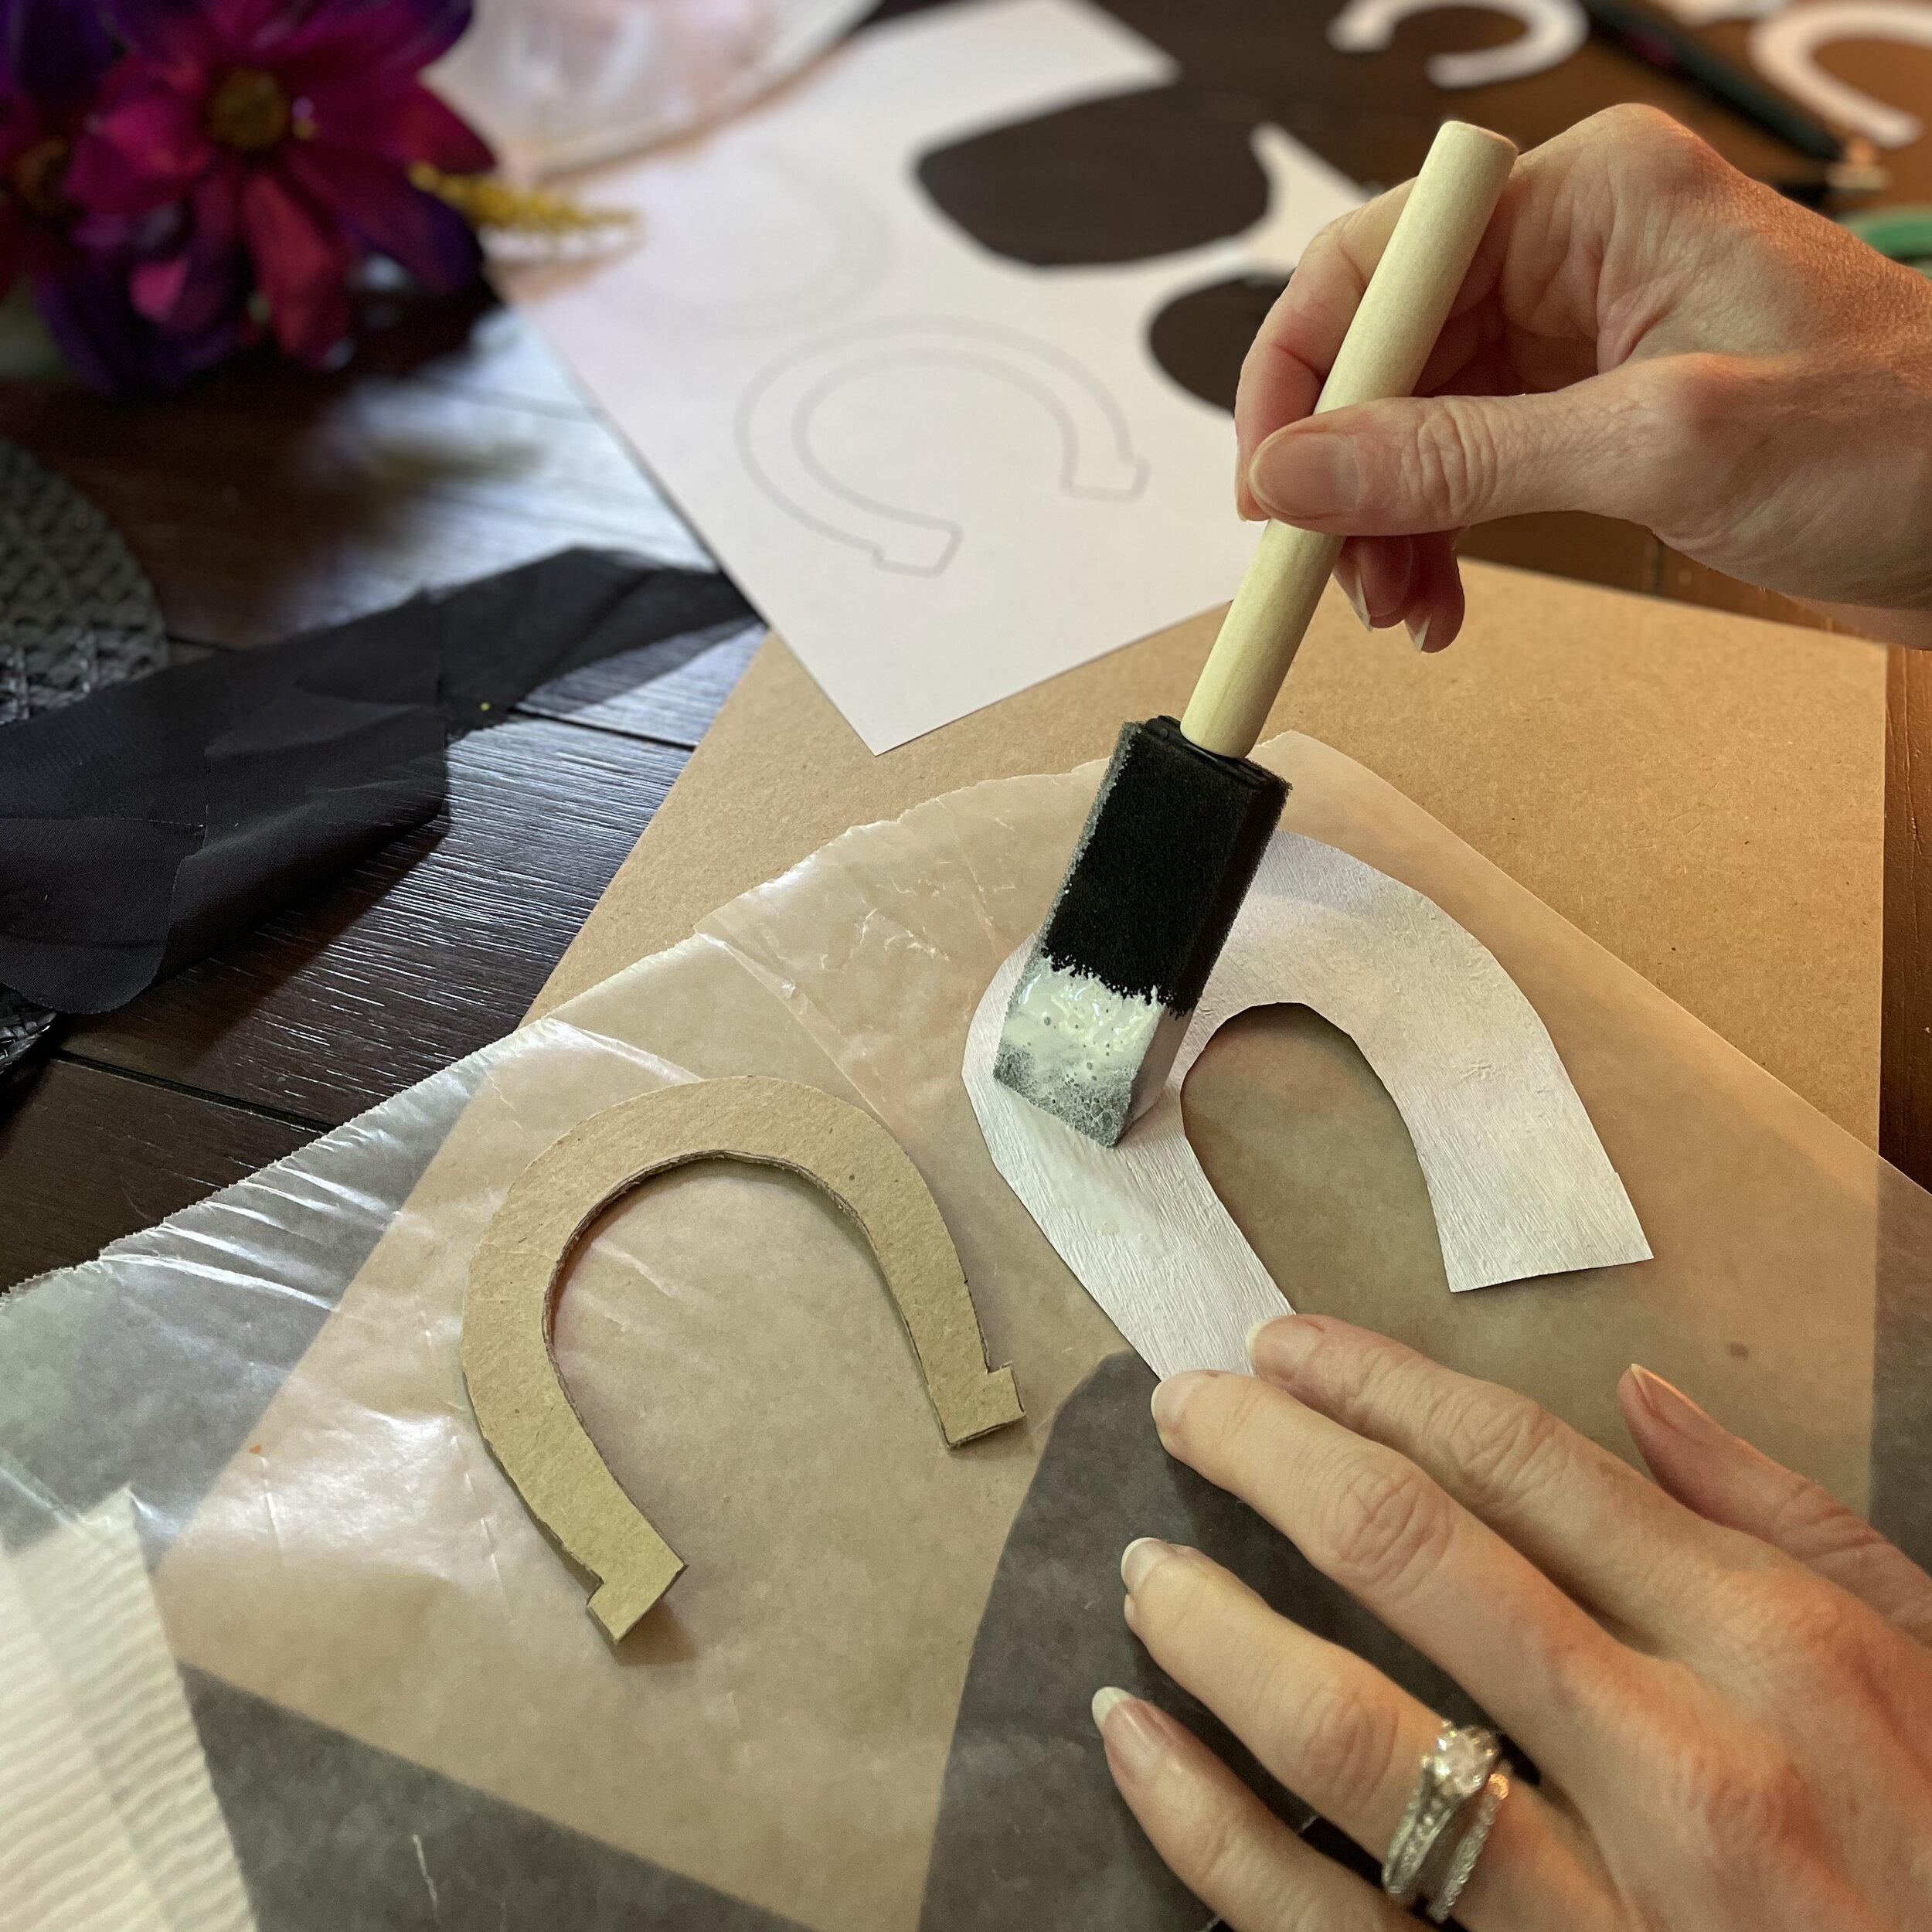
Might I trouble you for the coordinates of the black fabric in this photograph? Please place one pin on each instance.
(141, 827)
(1031, 1831)
(335, 1835)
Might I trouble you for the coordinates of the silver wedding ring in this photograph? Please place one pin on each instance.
(1444, 1892)
(1458, 1791)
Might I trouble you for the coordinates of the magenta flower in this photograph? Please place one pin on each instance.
(53, 56)
(278, 136)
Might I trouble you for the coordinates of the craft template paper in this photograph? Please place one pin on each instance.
(942, 475)
(1553, 30)
(1519, 1183)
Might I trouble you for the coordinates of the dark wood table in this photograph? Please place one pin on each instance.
(264, 501)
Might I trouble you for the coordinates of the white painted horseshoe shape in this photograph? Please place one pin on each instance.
(1553, 30)
(522, 1406)
(774, 430)
(1783, 49)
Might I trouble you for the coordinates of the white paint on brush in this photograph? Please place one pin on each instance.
(1519, 1182)
(1083, 1051)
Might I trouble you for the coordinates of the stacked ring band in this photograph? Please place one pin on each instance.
(1443, 1894)
(1457, 1772)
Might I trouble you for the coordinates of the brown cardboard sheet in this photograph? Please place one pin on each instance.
(863, 1709)
(1703, 794)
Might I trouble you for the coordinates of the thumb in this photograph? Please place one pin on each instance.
(1727, 1482)
(1413, 463)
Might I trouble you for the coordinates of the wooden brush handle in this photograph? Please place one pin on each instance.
(1401, 314)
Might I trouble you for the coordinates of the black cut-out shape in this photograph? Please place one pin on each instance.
(1200, 337)
(1031, 1830)
(333, 1833)
(1117, 180)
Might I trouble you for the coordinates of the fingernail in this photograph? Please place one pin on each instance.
(1140, 1557)
(1173, 1395)
(1673, 1408)
(1135, 1745)
(1300, 472)
(1419, 634)
(1358, 603)
(1278, 1348)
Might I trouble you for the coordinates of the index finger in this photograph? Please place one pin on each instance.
(1296, 346)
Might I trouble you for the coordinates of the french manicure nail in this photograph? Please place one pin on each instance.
(1141, 1556)
(1173, 1395)
(1419, 634)
(1134, 1742)
(1298, 473)
(1278, 1348)
(1673, 1408)
(1357, 603)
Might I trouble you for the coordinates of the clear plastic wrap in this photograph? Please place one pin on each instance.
(864, 1705)
(559, 84)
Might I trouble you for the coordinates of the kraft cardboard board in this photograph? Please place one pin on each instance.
(509, 1365)
(785, 1730)
(1701, 793)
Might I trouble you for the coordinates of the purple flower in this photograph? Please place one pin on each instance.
(273, 140)
(54, 55)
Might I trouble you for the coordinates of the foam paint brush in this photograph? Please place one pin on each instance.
(1183, 816)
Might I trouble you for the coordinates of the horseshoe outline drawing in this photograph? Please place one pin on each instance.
(1553, 30)
(510, 1362)
(773, 430)
(1783, 47)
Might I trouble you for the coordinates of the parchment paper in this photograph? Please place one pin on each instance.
(870, 1678)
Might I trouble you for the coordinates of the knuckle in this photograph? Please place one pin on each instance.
(1500, 1445)
(1703, 399)
(1796, 1627)
(1385, 1523)
(1220, 1425)
(1737, 1807)
(1344, 1738)
(1812, 1524)
(1666, 150)
(1449, 464)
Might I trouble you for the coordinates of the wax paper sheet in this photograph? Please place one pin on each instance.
(864, 1705)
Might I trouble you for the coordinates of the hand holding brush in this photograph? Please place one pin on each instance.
(1182, 816)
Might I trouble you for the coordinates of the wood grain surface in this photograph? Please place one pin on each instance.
(264, 500)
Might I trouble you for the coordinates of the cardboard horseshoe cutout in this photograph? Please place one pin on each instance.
(522, 1406)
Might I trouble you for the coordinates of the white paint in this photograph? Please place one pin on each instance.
(1519, 1181)
(1784, 46)
(1701, 13)
(944, 476)
(1081, 1050)
(1553, 30)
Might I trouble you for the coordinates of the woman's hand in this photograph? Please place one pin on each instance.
(1647, 334)
(1726, 1681)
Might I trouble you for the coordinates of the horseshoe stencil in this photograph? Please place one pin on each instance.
(509, 1362)
(1783, 48)
(1553, 30)
(774, 427)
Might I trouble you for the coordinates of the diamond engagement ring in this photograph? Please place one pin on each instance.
(1453, 1770)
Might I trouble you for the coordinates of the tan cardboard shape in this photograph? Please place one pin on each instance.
(524, 1410)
